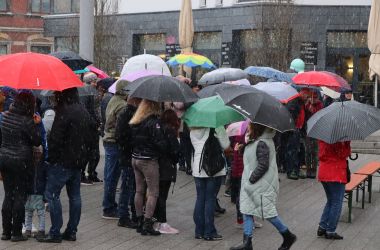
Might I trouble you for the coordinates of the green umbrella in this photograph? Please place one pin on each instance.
(211, 113)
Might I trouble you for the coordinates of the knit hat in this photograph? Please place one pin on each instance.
(298, 65)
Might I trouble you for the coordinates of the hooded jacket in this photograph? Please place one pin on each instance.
(72, 132)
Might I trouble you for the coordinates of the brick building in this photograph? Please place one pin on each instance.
(21, 24)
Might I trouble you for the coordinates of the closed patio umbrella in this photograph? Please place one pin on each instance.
(374, 43)
(186, 30)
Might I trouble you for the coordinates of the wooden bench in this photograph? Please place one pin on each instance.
(357, 182)
(369, 169)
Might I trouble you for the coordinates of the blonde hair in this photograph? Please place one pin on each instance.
(145, 109)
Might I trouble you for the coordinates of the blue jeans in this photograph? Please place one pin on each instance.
(205, 206)
(249, 224)
(127, 194)
(333, 208)
(112, 173)
(57, 178)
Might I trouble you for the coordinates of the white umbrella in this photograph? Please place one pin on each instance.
(374, 42)
(145, 62)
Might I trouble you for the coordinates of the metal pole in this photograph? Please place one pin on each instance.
(86, 29)
(376, 90)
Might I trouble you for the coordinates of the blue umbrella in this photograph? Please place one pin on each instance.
(268, 72)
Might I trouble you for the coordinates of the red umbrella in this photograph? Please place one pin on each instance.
(36, 71)
(321, 79)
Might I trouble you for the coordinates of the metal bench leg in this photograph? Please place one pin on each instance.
(370, 188)
(357, 193)
(349, 206)
(363, 198)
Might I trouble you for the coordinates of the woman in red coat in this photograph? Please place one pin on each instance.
(333, 171)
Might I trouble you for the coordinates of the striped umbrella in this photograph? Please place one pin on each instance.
(191, 60)
(344, 121)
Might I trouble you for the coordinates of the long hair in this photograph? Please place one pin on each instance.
(25, 102)
(170, 118)
(255, 130)
(145, 109)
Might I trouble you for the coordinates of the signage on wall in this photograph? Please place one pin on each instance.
(172, 50)
(226, 54)
(309, 52)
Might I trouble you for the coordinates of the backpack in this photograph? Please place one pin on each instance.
(212, 159)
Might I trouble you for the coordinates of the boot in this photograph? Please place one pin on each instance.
(140, 222)
(289, 240)
(148, 229)
(218, 208)
(247, 244)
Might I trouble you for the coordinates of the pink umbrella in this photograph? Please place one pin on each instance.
(134, 76)
(237, 128)
(100, 73)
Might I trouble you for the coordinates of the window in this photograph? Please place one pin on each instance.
(40, 6)
(43, 49)
(67, 43)
(150, 44)
(3, 5)
(66, 6)
(347, 39)
(3, 49)
(218, 2)
(202, 3)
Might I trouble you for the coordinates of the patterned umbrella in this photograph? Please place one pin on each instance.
(191, 60)
(269, 73)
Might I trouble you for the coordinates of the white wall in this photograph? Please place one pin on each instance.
(140, 6)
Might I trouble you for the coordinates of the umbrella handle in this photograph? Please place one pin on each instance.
(354, 158)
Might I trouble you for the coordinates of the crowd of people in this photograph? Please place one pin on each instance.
(54, 142)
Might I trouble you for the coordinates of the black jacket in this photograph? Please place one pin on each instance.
(71, 136)
(147, 139)
(122, 134)
(168, 161)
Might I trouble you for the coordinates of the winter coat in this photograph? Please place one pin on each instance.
(39, 177)
(198, 138)
(103, 107)
(333, 161)
(168, 161)
(237, 162)
(114, 107)
(148, 140)
(71, 136)
(260, 168)
(121, 135)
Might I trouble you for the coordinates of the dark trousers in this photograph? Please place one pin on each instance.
(235, 195)
(127, 193)
(160, 211)
(13, 210)
(292, 162)
(58, 177)
(93, 161)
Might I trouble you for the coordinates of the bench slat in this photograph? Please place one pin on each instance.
(369, 168)
(356, 179)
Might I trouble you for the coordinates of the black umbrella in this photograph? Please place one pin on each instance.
(161, 89)
(71, 59)
(344, 121)
(86, 90)
(258, 106)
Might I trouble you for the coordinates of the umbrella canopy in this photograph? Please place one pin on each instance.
(71, 59)
(244, 82)
(186, 29)
(36, 71)
(100, 73)
(329, 92)
(134, 76)
(191, 60)
(259, 107)
(222, 75)
(374, 39)
(344, 121)
(86, 90)
(321, 79)
(145, 62)
(237, 128)
(209, 91)
(210, 113)
(161, 89)
(282, 91)
(268, 72)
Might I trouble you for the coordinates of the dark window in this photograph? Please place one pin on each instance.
(40, 6)
(43, 49)
(149, 44)
(3, 5)
(66, 6)
(3, 49)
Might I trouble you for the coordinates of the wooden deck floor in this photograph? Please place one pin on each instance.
(300, 206)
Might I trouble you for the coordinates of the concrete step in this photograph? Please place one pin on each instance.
(366, 144)
(366, 151)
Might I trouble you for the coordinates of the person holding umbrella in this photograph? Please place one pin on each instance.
(260, 186)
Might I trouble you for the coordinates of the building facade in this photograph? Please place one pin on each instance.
(242, 33)
(21, 24)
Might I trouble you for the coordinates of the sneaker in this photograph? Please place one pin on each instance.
(258, 225)
(96, 180)
(126, 222)
(214, 238)
(5, 237)
(110, 216)
(165, 228)
(333, 236)
(227, 193)
(85, 181)
(40, 235)
(293, 176)
(18, 238)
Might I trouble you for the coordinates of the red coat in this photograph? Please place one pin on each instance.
(237, 162)
(332, 161)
